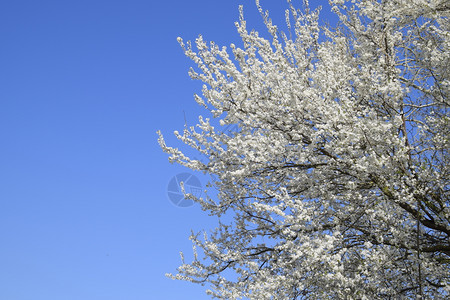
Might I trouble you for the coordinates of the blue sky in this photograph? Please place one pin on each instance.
(85, 85)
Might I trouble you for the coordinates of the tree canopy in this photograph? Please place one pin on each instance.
(336, 179)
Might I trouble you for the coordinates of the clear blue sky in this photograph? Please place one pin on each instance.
(84, 86)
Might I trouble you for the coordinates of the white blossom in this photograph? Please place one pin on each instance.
(336, 183)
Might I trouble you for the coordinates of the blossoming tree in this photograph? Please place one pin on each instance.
(336, 180)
